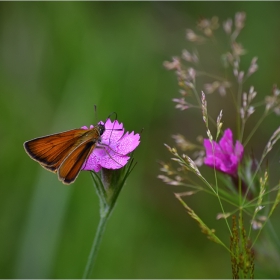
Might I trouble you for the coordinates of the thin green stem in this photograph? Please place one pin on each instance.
(96, 244)
(239, 100)
(202, 73)
(254, 129)
(197, 96)
(220, 202)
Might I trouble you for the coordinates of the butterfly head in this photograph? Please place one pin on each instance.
(100, 128)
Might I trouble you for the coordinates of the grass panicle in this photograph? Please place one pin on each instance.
(244, 192)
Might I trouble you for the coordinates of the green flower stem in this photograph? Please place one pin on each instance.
(105, 210)
(108, 185)
(255, 128)
(96, 243)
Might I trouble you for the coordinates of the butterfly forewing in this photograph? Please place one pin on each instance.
(51, 150)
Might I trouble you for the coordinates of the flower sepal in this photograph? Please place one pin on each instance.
(250, 177)
(109, 183)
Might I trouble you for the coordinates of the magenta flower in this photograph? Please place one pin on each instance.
(224, 156)
(111, 152)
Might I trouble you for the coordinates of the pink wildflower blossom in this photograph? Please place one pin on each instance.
(224, 156)
(111, 152)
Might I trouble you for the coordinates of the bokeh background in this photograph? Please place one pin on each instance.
(57, 61)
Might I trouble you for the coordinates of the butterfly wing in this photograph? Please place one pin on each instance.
(72, 165)
(50, 151)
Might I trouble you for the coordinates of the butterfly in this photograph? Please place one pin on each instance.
(66, 152)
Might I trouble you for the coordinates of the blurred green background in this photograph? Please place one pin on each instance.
(57, 61)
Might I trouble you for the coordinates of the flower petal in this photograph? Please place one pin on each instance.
(115, 162)
(239, 150)
(113, 132)
(226, 142)
(212, 150)
(127, 143)
(92, 163)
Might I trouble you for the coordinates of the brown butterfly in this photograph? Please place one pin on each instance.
(65, 153)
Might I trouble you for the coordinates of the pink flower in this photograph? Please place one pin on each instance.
(111, 152)
(224, 156)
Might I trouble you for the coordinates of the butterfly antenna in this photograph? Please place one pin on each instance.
(95, 113)
(113, 113)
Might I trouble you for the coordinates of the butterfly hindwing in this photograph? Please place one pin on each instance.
(72, 165)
